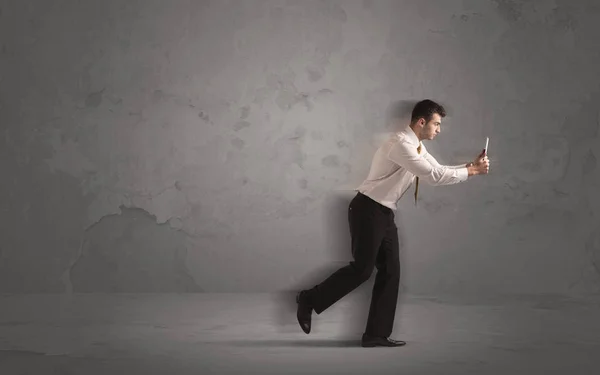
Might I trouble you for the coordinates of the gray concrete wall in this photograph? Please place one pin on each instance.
(187, 146)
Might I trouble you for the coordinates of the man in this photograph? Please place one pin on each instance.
(399, 162)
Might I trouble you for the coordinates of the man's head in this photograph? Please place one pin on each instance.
(426, 119)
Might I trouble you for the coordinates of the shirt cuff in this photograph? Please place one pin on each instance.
(463, 173)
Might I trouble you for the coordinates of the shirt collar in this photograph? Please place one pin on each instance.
(411, 136)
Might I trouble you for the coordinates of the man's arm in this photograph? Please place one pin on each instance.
(466, 165)
(426, 168)
(471, 170)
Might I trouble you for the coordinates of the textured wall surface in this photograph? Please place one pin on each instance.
(183, 146)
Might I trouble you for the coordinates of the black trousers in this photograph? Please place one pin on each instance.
(374, 245)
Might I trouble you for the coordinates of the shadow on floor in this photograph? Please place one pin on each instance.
(326, 343)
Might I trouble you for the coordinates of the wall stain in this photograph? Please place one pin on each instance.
(331, 161)
(241, 125)
(509, 9)
(94, 99)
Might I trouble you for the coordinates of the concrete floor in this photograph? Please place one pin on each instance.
(258, 334)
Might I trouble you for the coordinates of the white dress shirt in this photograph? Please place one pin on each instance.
(396, 164)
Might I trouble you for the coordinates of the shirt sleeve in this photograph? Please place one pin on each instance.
(425, 166)
(434, 162)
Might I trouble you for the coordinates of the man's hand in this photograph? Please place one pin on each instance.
(481, 165)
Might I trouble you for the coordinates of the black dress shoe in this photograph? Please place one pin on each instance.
(373, 341)
(304, 311)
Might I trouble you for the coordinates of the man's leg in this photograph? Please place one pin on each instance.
(368, 225)
(385, 290)
(385, 293)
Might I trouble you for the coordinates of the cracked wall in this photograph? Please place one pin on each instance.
(212, 145)
(129, 252)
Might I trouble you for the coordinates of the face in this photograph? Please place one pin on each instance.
(432, 128)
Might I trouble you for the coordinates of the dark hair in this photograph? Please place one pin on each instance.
(426, 108)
